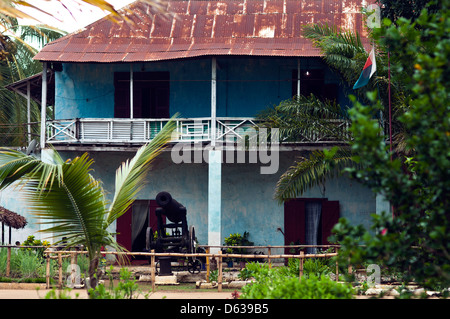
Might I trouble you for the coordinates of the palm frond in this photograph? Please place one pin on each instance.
(308, 172)
(130, 176)
(303, 117)
(16, 167)
(75, 205)
(339, 47)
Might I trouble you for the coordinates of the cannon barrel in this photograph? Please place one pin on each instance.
(172, 209)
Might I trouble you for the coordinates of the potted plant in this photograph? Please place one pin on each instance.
(237, 239)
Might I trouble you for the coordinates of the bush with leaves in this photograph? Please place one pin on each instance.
(127, 288)
(281, 283)
(416, 240)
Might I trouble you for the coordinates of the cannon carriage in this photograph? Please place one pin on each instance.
(173, 236)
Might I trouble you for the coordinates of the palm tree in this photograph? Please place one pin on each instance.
(19, 44)
(65, 196)
(303, 117)
(300, 116)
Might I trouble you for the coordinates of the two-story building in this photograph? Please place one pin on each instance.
(216, 64)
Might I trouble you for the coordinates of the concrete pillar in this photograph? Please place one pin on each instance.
(215, 199)
(213, 100)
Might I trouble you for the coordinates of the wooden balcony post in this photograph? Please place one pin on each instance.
(43, 104)
(131, 91)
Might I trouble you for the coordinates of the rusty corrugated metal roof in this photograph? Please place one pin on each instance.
(199, 28)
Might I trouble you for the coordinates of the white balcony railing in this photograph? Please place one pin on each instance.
(138, 131)
(117, 131)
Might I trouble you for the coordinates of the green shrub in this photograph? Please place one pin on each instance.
(24, 263)
(237, 240)
(127, 288)
(281, 287)
(283, 283)
(253, 269)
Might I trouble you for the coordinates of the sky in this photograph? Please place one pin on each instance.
(80, 14)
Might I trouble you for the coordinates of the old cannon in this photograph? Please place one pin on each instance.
(172, 235)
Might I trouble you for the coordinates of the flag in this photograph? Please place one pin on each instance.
(369, 69)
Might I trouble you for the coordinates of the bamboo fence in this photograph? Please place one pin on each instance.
(59, 253)
(218, 256)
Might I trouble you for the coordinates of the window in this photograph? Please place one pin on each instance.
(151, 91)
(312, 81)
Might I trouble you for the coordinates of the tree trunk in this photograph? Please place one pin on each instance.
(94, 273)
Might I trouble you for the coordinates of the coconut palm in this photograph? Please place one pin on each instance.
(67, 199)
(19, 43)
(305, 117)
(302, 116)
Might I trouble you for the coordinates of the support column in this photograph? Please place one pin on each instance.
(215, 199)
(131, 92)
(298, 77)
(43, 104)
(213, 100)
(28, 112)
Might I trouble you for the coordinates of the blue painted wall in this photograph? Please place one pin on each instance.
(246, 85)
(247, 196)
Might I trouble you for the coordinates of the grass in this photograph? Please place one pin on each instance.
(38, 280)
(26, 264)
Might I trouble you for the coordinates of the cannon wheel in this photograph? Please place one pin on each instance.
(194, 264)
(192, 240)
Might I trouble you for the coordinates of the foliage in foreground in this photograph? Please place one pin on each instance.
(280, 283)
(71, 202)
(126, 288)
(416, 240)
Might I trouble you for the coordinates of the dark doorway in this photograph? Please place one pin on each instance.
(131, 227)
(151, 91)
(309, 221)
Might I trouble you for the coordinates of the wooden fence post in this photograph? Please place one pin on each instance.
(219, 279)
(8, 262)
(152, 270)
(337, 265)
(60, 270)
(208, 269)
(47, 275)
(269, 251)
(350, 268)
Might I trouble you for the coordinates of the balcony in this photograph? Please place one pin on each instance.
(113, 131)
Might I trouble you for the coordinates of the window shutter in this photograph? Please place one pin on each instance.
(294, 222)
(330, 217)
